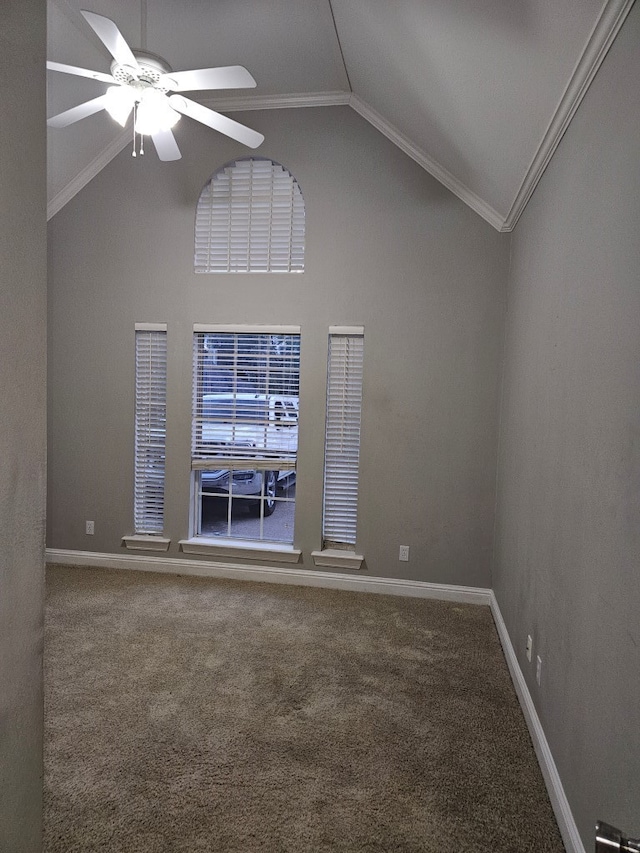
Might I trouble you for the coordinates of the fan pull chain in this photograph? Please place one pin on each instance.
(135, 119)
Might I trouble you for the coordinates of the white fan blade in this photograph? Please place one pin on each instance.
(228, 126)
(112, 38)
(81, 72)
(76, 113)
(166, 145)
(226, 77)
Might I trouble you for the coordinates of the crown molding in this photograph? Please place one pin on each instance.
(88, 173)
(607, 26)
(296, 101)
(610, 20)
(231, 104)
(276, 102)
(428, 164)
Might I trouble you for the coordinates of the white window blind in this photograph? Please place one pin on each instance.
(150, 429)
(245, 400)
(250, 218)
(342, 439)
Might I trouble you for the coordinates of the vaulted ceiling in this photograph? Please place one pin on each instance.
(478, 92)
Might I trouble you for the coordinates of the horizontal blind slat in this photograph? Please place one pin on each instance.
(250, 218)
(242, 384)
(342, 438)
(150, 430)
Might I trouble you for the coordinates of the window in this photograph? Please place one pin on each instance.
(342, 437)
(245, 432)
(250, 218)
(150, 428)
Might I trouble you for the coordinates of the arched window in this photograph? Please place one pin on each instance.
(250, 218)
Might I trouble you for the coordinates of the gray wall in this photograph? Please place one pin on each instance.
(387, 247)
(22, 418)
(568, 521)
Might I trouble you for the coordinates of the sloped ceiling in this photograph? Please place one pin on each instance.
(478, 92)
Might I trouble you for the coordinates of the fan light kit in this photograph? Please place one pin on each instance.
(142, 83)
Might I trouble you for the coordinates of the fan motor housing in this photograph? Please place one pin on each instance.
(152, 68)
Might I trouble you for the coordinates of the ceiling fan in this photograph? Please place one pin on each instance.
(142, 83)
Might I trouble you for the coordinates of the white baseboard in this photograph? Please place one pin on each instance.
(358, 583)
(562, 810)
(269, 574)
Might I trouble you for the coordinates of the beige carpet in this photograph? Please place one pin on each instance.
(194, 715)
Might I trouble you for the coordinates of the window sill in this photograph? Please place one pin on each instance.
(203, 545)
(336, 559)
(146, 543)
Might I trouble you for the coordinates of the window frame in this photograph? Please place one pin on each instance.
(237, 459)
(150, 437)
(343, 424)
(250, 218)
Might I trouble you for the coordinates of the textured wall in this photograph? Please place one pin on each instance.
(22, 418)
(568, 521)
(387, 247)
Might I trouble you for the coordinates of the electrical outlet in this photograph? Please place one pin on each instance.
(90, 528)
(404, 553)
(529, 647)
(538, 668)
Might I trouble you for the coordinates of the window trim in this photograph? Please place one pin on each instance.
(336, 551)
(250, 218)
(243, 548)
(156, 402)
(221, 545)
(242, 329)
(146, 542)
(332, 558)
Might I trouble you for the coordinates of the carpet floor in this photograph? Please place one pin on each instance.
(188, 714)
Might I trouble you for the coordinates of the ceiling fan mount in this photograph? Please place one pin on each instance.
(150, 70)
(141, 84)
